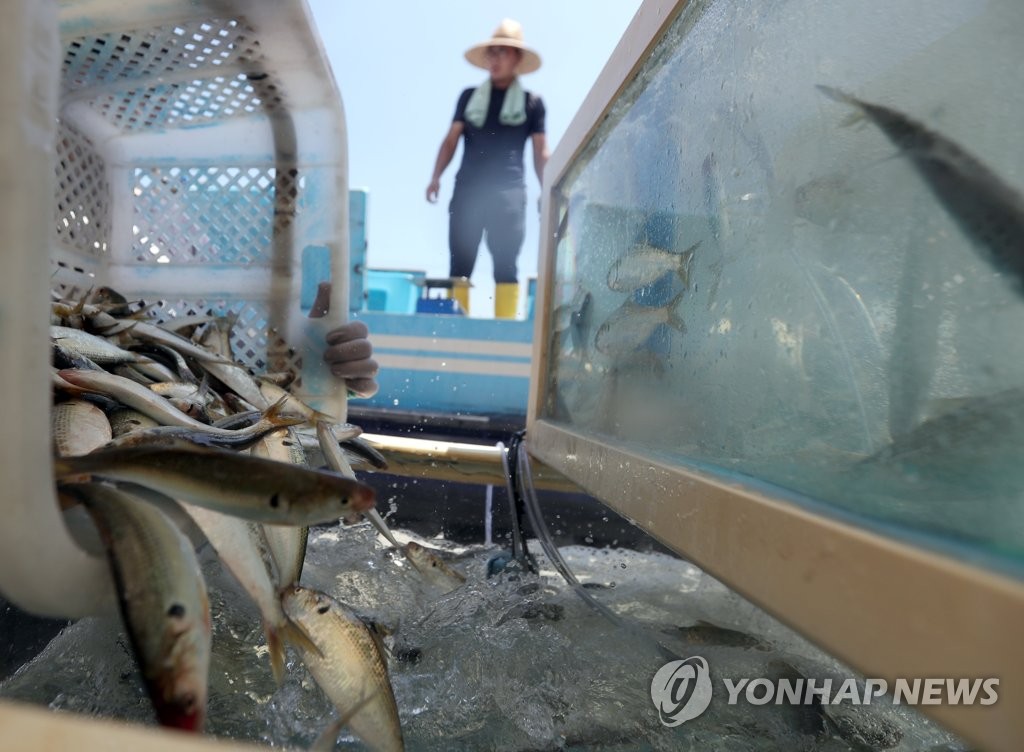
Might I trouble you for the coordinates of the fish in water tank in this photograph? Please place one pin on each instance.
(987, 209)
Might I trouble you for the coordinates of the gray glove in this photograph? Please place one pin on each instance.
(349, 354)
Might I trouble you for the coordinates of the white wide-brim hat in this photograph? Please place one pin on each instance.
(508, 34)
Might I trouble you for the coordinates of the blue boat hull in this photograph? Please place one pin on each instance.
(451, 366)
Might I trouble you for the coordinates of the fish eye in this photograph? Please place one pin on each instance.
(324, 608)
(275, 501)
(176, 611)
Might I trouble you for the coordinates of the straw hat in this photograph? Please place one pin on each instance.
(508, 34)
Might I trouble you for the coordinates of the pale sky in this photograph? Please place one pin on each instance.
(400, 69)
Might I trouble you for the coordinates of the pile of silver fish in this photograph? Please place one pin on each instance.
(167, 442)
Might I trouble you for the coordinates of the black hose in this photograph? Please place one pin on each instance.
(520, 552)
(524, 479)
(540, 529)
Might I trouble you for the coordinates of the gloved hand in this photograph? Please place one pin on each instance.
(349, 354)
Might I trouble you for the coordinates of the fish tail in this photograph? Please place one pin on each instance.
(674, 319)
(329, 736)
(318, 416)
(841, 96)
(366, 451)
(273, 415)
(275, 648)
(204, 386)
(80, 305)
(685, 260)
(298, 637)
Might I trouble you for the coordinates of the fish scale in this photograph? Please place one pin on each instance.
(79, 427)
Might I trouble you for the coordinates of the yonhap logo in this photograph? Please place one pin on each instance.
(681, 690)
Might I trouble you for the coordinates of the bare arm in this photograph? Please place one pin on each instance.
(540, 155)
(444, 158)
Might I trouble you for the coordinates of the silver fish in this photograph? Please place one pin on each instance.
(137, 396)
(96, 349)
(434, 569)
(989, 211)
(238, 380)
(126, 419)
(243, 549)
(153, 371)
(579, 325)
(142, 330)
(78, 428)
(287, 544)
(824, 199)
(170, 358)
(163, 601)
(239, 438)
(977, 432)
(645, 264)
(98, 317)
(65, 357)
(335, 459)
(631, 324)
(572, 317)
(562, 316)
(217, 335)
(230, 482)
(272, 393)
(705, 633)
(360, 449)
(179, 389)
(350, 668)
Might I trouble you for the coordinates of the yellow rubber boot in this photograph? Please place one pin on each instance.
(506, 300)
(461, 294)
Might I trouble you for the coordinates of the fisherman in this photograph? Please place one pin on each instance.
(496, 118)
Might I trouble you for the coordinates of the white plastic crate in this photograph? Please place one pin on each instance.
(189, 153)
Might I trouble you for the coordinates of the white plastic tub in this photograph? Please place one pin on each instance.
(188, 152)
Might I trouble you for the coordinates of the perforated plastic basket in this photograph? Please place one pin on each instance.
(189, 153)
